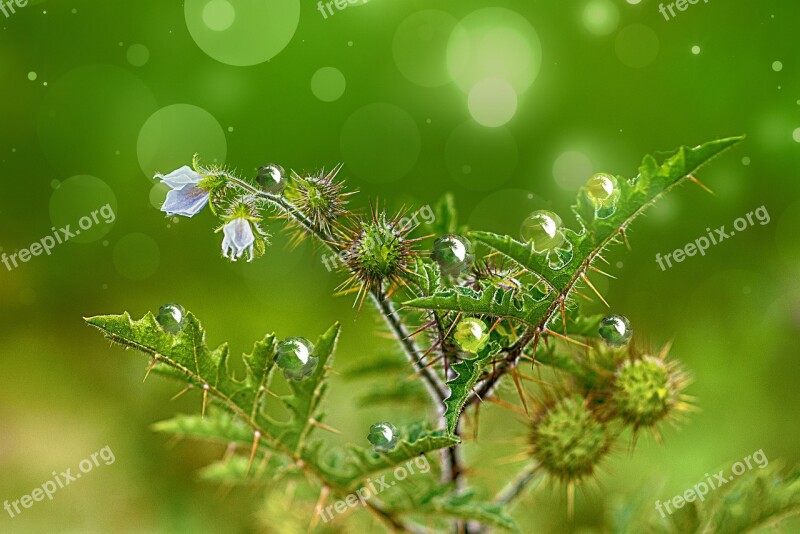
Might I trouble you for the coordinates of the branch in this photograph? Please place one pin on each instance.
(434, 385)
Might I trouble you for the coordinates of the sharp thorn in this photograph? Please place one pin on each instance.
(256, 437)
(701, 184)
(595, 269)
(565, 338)
(586, 279)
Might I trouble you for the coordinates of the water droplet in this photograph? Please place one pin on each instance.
(294, 358)
(615, 330)
(172, 318)
(603, 191)
(471, 334)
(695, 50)
(777, 66)
(32, 76)
(546, 235)
(271, 178)
(453, 253)
(383, 436)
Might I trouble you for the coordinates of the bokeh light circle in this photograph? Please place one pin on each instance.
(492, 102)
(420, 47)
(80, 202)
(113, 104)
(637, 46)
(137, 256)
(572, 169)
(328, 84)
(174, 134)
(494, 42)
(138, 55)
(480, 158)
(242, 32)
(158, 194)
(219, 15)
(600, 17)
(380, 143)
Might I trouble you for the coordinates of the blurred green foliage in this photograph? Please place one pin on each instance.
(734, 314)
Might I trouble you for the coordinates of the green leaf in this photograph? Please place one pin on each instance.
(463, 507)
(467, 372)
(215, 426)
(595, 234)
(186, 356)
(493, 301)
(237, 470)
(636, 195)
(355, 463)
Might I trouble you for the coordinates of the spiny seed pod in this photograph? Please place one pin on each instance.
(648, 389)
(377, 250)
(320, 197)
(568, 440)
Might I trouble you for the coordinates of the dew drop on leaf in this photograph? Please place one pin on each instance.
(545, 233)
(615, 330)
(383, 436)
(603, 191)
(471, 334)
(544, 230)
(294, 358)
(453, 253)
(171, 317)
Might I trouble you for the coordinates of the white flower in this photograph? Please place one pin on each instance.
(239, 238)
(185, 197)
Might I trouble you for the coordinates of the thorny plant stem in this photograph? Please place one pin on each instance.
(452, 468)
(436, 388)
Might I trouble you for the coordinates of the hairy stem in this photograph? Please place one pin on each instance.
(434, 385)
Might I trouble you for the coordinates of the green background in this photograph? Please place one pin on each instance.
(124, 89)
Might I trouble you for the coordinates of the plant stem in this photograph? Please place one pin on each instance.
(515, 488)
(434, 385)
(452, 468)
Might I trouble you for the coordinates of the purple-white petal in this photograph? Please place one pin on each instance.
(187, 201)
(239, 238)
(180, 178)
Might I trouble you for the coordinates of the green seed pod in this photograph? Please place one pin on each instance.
(568, 440)
(646, 390)
(377, 250)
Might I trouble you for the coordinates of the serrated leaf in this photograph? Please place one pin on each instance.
(355, 463)
(237, 470)
(187, 356)
(596, 233)
(215, 426)
(464, 507)
(467, 372)
(304, 402)
(493, 301)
